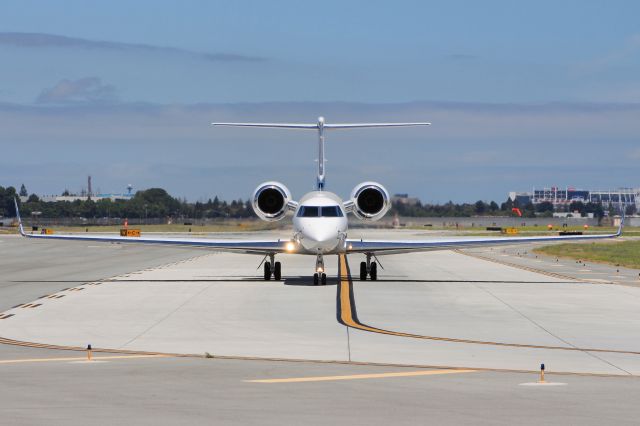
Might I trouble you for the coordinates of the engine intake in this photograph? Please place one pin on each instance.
(270, 201)
(370, 200)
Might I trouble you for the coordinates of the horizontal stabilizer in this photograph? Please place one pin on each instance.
(371, 125)
(270, 125)
(316, 126)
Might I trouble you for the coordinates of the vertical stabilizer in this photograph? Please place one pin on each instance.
(15, 202)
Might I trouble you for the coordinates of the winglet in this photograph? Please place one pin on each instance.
(621, 224)
(15, 201)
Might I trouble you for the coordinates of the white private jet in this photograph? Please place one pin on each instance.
(320, 220)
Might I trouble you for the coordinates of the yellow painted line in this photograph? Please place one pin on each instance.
(360, 376)
(26, 360)
(5, 341)
(348, 318)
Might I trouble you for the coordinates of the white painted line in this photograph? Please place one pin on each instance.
(543, 384)
(77, 359)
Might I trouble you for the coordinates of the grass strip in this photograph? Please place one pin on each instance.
(619, 253)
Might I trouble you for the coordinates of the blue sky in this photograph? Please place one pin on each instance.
(520, 94)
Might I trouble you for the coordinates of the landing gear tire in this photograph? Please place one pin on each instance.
(363, 271)
(374, 271)
(315, 279)
(323, 279)
(277, 271)
(267, 271)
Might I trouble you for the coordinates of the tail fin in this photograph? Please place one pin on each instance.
(621, 224)
(15, 202)
(320, 126)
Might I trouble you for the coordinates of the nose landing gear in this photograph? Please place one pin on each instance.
(319, 277)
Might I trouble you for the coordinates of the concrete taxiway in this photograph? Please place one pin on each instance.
(366, 346)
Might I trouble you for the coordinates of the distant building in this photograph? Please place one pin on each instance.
(561, 197)
(405, 199)
(85, 197)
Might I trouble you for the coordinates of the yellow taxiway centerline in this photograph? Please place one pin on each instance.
(360, 376)
(349, 317)
(25, 360)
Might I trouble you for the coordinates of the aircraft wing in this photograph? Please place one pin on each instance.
(261, 247)
(394, 247)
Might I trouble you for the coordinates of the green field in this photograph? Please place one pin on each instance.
(526, 231)
(622, 253)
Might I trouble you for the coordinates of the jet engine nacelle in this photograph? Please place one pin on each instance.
(370, 201)
(270, 201)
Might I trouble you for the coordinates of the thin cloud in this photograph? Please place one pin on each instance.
(460, 57)
(42, 40)
(84, 90)
(472, 151)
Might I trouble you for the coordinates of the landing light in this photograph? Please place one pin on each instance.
(290, 246)
(319, 270)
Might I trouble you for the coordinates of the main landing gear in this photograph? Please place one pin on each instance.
(319, 277)
(272, 268)
(368, 268)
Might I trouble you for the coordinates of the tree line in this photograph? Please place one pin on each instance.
(147, 204)
(157, 203)
(482, 208)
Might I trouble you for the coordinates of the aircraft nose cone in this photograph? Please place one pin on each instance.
(324, 238)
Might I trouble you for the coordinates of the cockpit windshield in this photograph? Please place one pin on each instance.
(331, 211)
(308, 211)
(317, 211)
